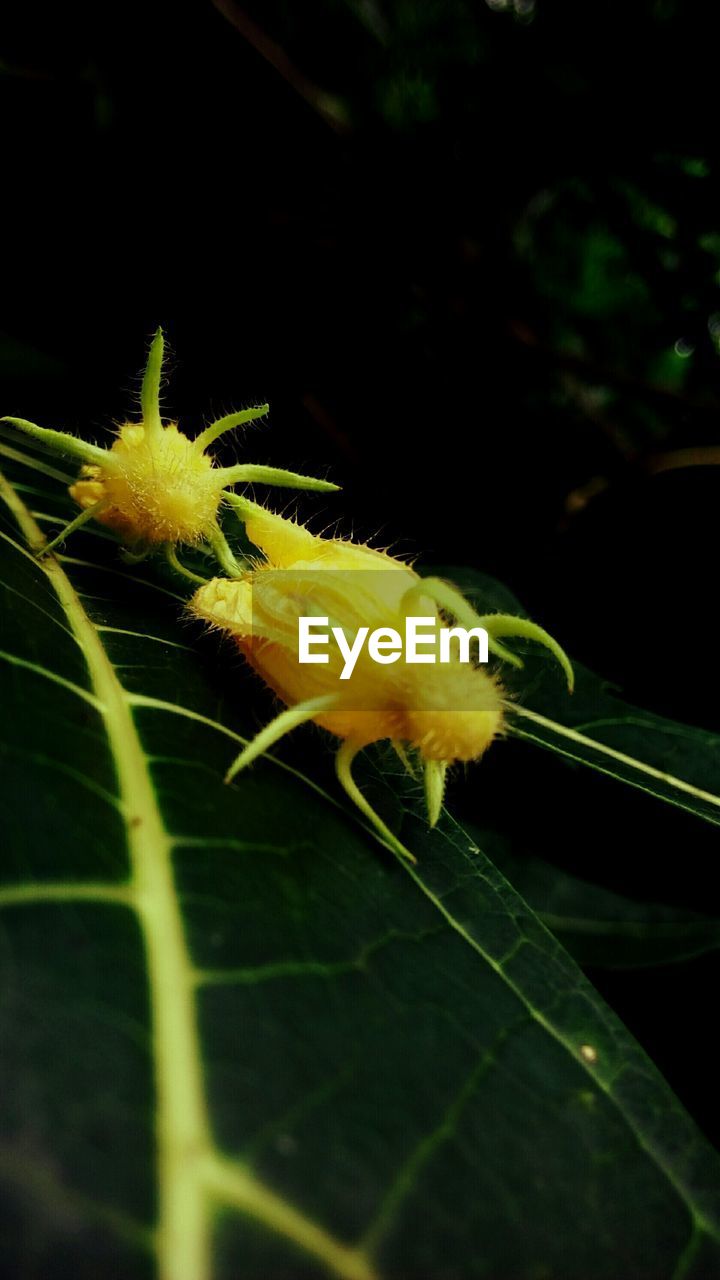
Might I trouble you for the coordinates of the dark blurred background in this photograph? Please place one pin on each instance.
(470, 252)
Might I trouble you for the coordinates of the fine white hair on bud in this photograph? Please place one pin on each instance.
(157, 487)
(435, 713)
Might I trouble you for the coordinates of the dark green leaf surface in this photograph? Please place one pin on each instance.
(600, 927)
(594, 726)
(241, 1040)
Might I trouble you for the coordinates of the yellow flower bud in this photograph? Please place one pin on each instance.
(443, 712)
(155, 490)
(156, 486)
(446, 712)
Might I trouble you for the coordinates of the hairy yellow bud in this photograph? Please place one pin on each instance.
(443, 712)
(162, 490)
(156, 486)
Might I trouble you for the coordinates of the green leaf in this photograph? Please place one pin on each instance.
(596, 727)
(240, 1039)
(599, 927)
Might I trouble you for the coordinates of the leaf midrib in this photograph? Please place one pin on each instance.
(192, 1174)
(181, 1120)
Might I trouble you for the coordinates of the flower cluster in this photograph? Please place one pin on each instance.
(157, 487)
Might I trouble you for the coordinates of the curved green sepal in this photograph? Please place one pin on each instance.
(250, 473)
(506, 624)
(150, 392)
(226, 423)
(453, 602)
(435, 776)
(343, 768)
(288, 720)
(172, 558)
(88, 513)
(221, 549)
(63, 442)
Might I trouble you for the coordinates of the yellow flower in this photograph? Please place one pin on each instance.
(452, 713)
(164, 490)
(155, 486)
(443, 712)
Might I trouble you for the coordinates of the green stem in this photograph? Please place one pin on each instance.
(88, 514)
(172, 559)
(222, 552)
(134, 557)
